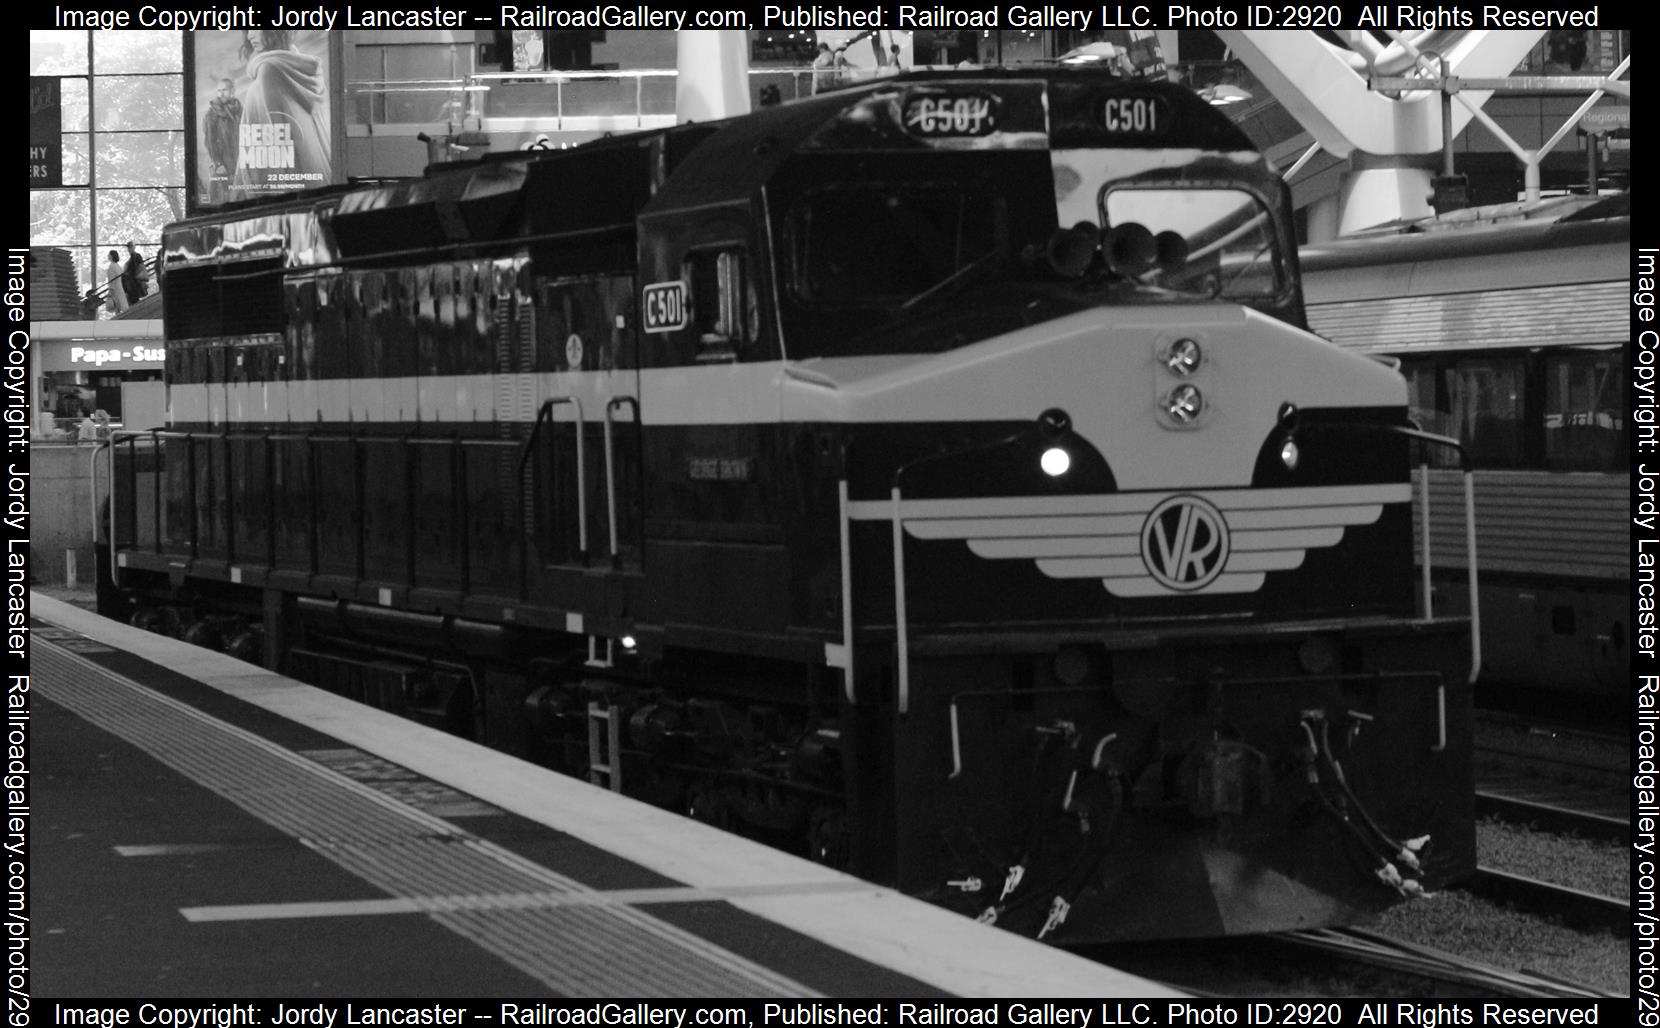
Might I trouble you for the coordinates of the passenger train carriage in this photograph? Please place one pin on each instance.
(1510, 325)
(935, 475)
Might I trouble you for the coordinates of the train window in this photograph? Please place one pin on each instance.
(725, 310)
(1484, 398)
(1228, 235)
(1584, 404)
(888, 246)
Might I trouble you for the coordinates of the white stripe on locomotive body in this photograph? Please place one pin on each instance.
(393, 401)
(1252, 364)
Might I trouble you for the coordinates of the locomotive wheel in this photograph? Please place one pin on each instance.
(205, 634)
(704, 803)
(827, 841)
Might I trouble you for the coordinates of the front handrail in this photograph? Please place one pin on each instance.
(545, 413)
(109, 445)
(900, 622)
(1468, 471)
(610, 469)
(92, 479)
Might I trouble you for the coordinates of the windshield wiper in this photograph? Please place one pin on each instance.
(1222, 286)
(955, 276)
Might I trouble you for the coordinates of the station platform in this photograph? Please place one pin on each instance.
(202, 827)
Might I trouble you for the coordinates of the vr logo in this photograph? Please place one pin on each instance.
(1184, 543)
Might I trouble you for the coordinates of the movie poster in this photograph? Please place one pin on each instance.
(262, 114)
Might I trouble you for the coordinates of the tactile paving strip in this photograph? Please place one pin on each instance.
(592, 947)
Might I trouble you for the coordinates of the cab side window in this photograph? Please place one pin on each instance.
(725, 308)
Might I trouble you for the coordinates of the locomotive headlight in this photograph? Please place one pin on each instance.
(628, 642)
(1055, 461)
(1289, 454)
(1184, 404)
(1183, 357)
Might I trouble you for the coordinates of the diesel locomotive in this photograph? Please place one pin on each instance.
(935, 475)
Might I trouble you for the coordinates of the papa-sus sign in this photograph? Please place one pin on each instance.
(264, 113)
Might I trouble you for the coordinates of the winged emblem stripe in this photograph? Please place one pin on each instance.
(1143, 586)
(1287, 538)
(1094, 567)
(1297, 517)
(1228, 500)
(1031, 528)
(1123, 544)
(1151, 543)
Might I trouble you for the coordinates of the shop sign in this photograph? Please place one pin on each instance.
(86, 356)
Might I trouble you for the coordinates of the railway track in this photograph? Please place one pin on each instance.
(1574, 907)
(1326, 962)
(1552, 818)
(1562, 779)
(1437, 967)
(1557, 780)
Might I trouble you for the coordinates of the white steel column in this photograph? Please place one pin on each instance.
(1325, 88)
(713, 79)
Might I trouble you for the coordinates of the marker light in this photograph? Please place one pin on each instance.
(1289, 454)
(1183, 357)
(1184, 404)
(1055, 461)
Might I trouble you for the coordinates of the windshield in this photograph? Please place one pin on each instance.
(1231, 249)
(891, 246)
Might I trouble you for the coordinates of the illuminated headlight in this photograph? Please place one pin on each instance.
(1055, 461)
(1184, 404)
(1289, 454)
(628, 642)
(1183, 357)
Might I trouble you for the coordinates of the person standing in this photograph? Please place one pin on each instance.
(824, 68)
(117, 298)
(135, 277)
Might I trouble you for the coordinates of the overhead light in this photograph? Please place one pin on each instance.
(1222, 94)
(1094, 53)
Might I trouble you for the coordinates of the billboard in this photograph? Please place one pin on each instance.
(263, 113)
(45, 133)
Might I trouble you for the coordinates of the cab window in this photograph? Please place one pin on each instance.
(885, 245)
(725, 310)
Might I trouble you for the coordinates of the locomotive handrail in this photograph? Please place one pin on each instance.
(92, 481)
(610, 469)
(130, 438)
(545, 413)
(844, 529)
(900, 624)
(1468, 471)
